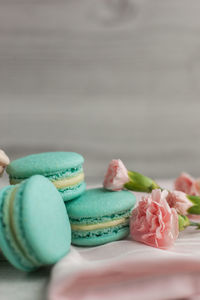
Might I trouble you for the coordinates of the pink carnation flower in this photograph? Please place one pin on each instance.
(187, 184)
(179, 201)
(116, 176)
(153, 222)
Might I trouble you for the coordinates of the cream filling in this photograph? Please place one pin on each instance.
(124, 220)
(59, 183)
(66, 182)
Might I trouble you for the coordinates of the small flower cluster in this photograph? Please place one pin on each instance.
(4, 161)
(187, 184)
(159, 216)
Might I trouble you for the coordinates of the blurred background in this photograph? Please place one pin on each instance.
(108, 79)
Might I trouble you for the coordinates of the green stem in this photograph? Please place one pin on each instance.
(140, 183)
(195, 224)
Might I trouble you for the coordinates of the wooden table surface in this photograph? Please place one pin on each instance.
(108, 79)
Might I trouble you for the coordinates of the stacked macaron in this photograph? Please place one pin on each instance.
(64, 169)
(37, 226)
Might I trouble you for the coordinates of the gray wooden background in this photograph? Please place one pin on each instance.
(108, 79)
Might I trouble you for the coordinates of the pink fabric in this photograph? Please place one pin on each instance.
(153, 222)
(130, 270)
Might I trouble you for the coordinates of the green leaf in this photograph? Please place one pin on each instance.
(194, 199)
(195, 209)
(195, 224)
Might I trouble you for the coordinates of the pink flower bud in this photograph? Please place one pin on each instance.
(4, 161)
(187, 184)
(179, 201)
(116, 176)
(153, 222)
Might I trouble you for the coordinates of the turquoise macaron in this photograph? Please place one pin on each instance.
(100, 216)
(34, 225)
(64, 169)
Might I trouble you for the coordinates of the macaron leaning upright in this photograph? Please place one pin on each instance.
(34, 225)
(100, 216)
(64, 169)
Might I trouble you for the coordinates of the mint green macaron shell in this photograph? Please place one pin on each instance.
(101, 237)
(41, 225)
(46, 164)
(41, 220)
(100, 202)
(5, 240)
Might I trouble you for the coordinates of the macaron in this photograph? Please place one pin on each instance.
(34, 225)
(100, 216)
(64, 169)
